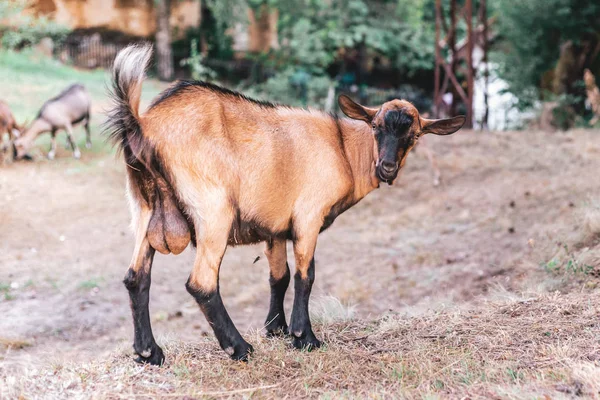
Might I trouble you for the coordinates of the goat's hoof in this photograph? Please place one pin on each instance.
(77, 154)
(88, 145)
(51, 155)
(307, 342)
(156, 357)
(240, 352)
(277, 327)
(278, 331)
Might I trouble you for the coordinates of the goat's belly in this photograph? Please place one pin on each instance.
(249, 232)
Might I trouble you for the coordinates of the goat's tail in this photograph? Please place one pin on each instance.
(123, 124)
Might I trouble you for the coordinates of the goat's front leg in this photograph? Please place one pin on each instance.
(52, 152)
(203, 283)
(279, 278)
(76, 152)
(300, 326)
(137, 282)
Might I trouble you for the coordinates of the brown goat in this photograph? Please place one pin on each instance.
(8, 125)
(212, 166)
(70, 107)
(593, 95)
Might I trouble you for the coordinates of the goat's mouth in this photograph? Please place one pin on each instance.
(386, 176)
(22, 155)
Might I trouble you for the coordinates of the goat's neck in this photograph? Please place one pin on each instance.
(361, 152)
(37, 127)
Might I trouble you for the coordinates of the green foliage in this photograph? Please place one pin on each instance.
(5, 291)
(22, 28)
(226, 14)
(196, 64)
(294, 87)
(314, 33)
(532, 33)
(567, 265)
(563, 115)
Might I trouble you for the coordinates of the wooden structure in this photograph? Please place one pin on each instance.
(458, 79)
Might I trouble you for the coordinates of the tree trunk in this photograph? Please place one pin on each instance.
(470, 71)
(452, 50)
(164, 56)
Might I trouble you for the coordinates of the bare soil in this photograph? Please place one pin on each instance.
(513, 209)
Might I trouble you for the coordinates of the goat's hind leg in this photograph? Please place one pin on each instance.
(137, 281)
(76, 152)
(279, 279)
(203, 282)
(88, 135)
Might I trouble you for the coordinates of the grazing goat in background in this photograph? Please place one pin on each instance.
(212, 166)
(8, 125)
(70, 107)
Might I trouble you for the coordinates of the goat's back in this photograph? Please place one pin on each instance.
(72, 105)
(273, 161)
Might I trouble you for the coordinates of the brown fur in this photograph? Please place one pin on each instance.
(237, 171)
(8, 125)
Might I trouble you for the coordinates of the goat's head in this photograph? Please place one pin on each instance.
(28, 135)
(22, 145)
(397, 126)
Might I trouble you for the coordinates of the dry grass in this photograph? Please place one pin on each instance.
(591, 220)
(509, 322)
(545, 346)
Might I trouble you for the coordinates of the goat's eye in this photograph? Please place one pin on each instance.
(373, 125)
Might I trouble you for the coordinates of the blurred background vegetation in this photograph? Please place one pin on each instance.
(299, 52)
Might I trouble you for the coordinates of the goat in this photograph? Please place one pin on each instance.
(593, 95)
(211, 166)
(8, 125)
(70, 107)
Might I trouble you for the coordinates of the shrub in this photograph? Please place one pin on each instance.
(195, 62)
(294, 87)
(18, 28)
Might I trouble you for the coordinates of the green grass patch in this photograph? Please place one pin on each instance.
(90, 284)
(566, 263)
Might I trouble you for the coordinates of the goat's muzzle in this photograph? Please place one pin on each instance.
(387, 171)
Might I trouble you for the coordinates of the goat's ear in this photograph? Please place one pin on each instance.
(356, 111)
(442, 126)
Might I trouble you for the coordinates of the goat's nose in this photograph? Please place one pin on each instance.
(388, 166)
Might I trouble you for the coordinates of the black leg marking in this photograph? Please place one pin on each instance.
(227, 334)
(88, 136)
(300, 327)
(138, 285)
(70, 141)
(275, 323)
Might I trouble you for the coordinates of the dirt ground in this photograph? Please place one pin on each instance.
(508, 203)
